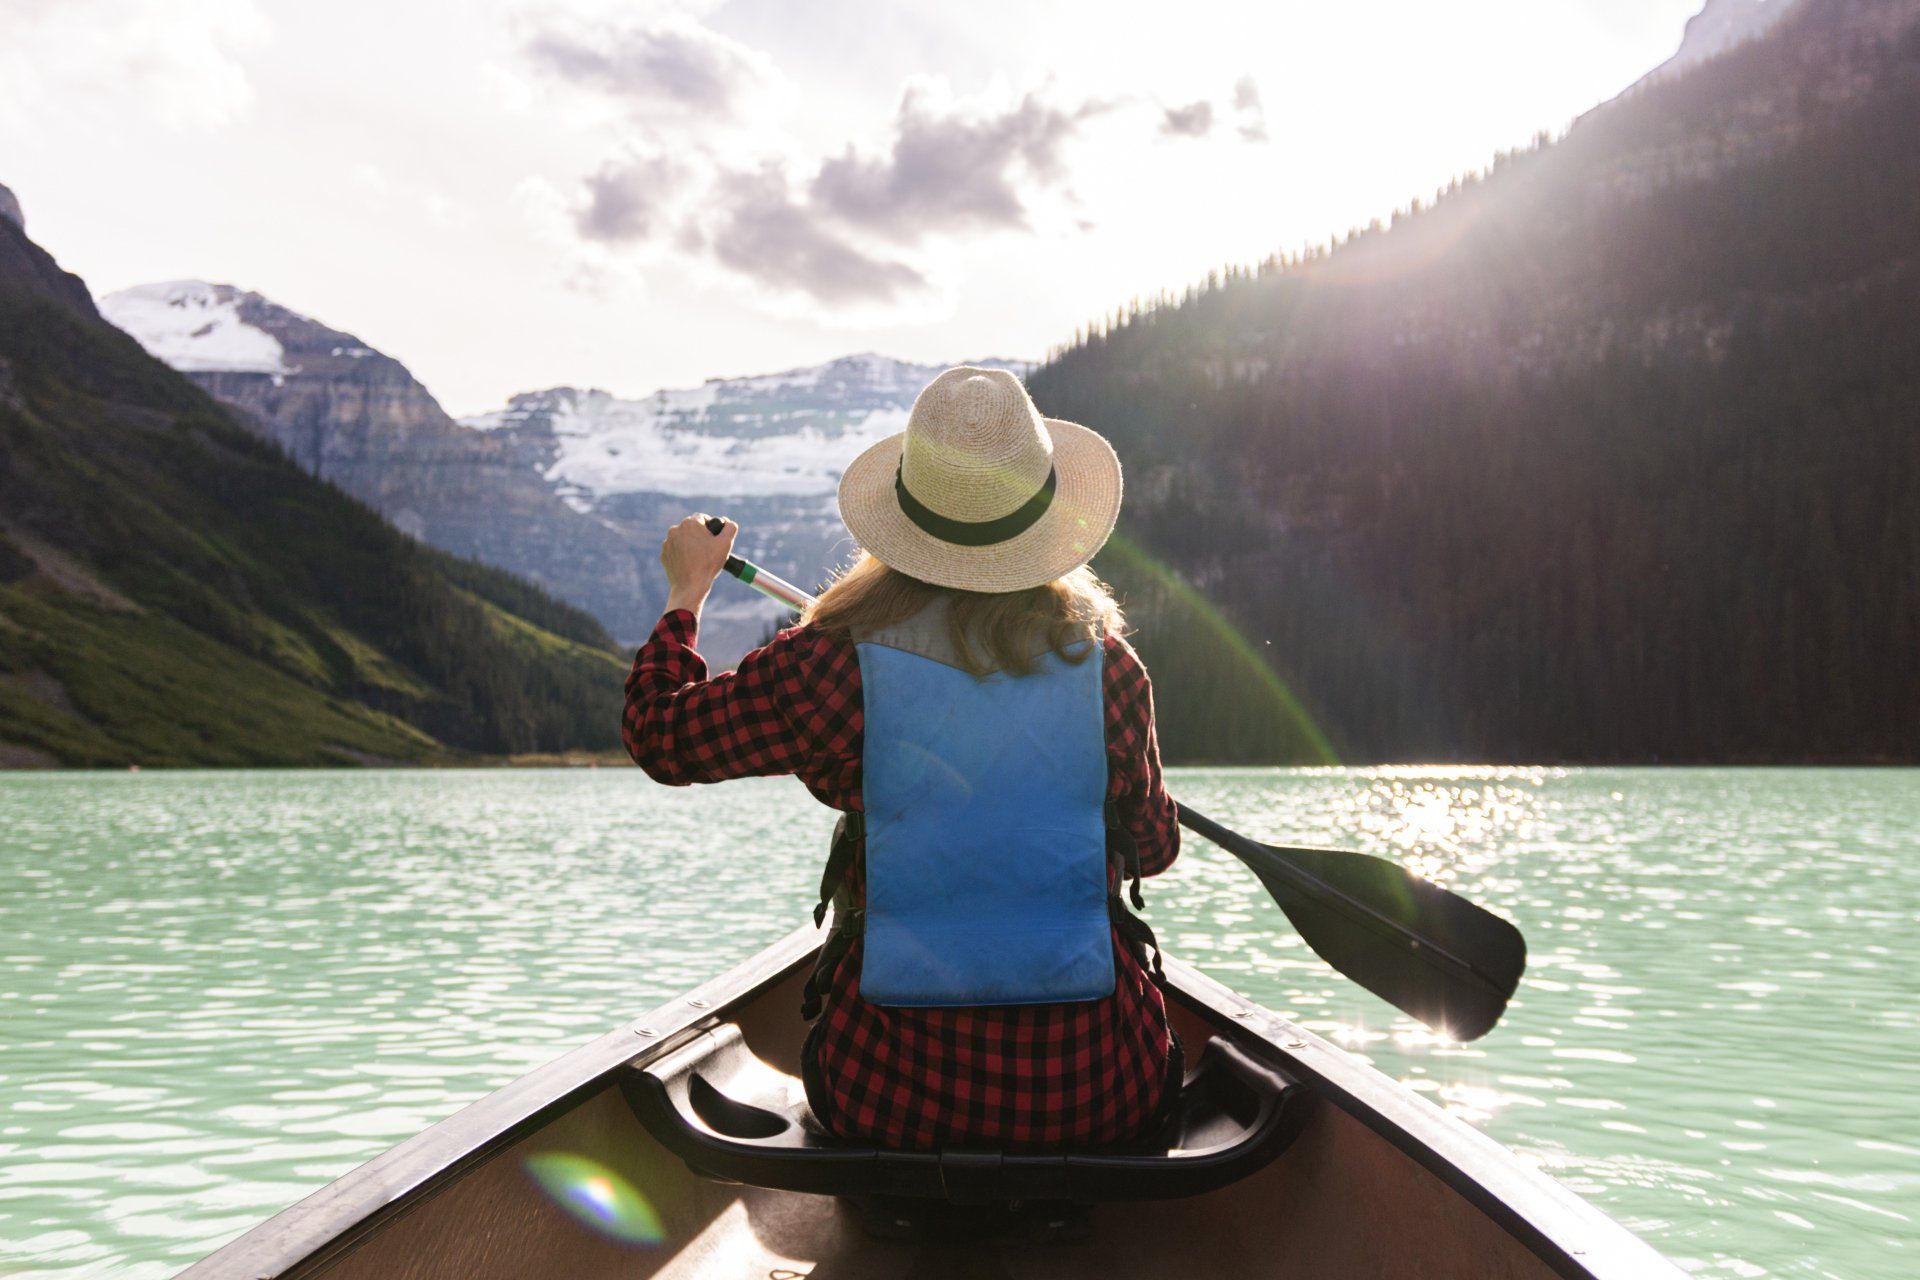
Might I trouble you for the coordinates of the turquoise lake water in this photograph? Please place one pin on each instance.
(220, 990)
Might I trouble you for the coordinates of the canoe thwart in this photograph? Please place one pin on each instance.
(730, 1116)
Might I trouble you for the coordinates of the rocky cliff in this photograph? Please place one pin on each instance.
(766, 450)
(356, 417)
(569, 488)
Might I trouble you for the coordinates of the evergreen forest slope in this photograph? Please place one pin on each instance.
(174, 591)
(1610, 453)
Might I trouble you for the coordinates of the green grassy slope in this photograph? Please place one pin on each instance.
(174, 591)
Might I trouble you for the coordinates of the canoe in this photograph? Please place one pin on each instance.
(1289, 1158)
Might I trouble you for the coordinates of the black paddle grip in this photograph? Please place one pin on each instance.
(734, 563)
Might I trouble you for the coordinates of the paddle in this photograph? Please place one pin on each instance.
(1423, 949)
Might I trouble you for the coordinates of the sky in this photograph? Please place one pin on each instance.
(630, 194)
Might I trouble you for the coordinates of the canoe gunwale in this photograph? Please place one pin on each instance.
(1569, 1235)
(1560, 1228)
(337, 1216)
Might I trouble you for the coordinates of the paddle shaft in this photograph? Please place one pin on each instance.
(767, 584)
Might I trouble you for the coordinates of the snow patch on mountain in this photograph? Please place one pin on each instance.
(195, 327)
(786, 435)
(611, 446)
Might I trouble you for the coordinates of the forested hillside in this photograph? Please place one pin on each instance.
(1611, 453)
(358, 418)
(173, 590)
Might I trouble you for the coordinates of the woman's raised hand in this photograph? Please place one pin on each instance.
(693, 558)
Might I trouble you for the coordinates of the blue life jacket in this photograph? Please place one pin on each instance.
(986, 836)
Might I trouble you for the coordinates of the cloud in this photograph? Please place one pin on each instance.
(946, 172)
(941, 171)
(626, 201)
(1195, 120)
(867, 226)
(1248, 110)
(670, 62)
(122, 60)
(767, 235)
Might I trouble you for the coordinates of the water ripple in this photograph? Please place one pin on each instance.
(222, 990)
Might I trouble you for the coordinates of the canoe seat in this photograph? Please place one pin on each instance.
(732, 1117)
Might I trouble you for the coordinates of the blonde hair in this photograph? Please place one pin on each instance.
(1001, 631)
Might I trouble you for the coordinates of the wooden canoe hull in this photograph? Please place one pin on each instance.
(1380, 1183)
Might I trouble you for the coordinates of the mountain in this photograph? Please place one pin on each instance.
(175, 590)
(1720, 26)
(1608, 453)
(357, 418)
(766, 450)
(569, 488)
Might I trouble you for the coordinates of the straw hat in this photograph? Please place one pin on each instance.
(980, 492)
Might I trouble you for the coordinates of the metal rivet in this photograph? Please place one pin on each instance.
(1296, 1044)
(644, 1031)
(699, 1004)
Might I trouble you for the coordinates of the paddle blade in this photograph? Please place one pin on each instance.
(1425, 950)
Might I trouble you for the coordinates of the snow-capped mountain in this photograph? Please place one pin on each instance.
(571, 489)
(196, 327)
(766, 450)
(351, 415)
(786, 434)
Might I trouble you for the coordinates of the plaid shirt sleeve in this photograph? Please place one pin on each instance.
(789, 706)
(1133, 760)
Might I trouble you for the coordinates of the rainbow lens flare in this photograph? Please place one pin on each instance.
(598, 1197)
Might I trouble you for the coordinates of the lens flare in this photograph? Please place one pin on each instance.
(598, 1197)
(1132, 557)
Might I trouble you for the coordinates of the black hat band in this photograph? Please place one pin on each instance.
(973, 533)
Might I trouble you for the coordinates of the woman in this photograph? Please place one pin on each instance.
(964, 696)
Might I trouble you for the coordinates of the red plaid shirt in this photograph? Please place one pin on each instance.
(1050, 1075)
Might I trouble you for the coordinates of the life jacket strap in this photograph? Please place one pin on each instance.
(1135, 933)
(1125, 851)
(846, 928)
(849, 843)
(849, 839)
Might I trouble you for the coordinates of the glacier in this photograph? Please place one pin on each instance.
(195, 327)
(786, 435)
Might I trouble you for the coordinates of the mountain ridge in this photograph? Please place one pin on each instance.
(10, 208)
(1604, 456)
(174, 590)
(842, 405)
(1722, 25)
(568, 487)
(765, 449)
(358, 418)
